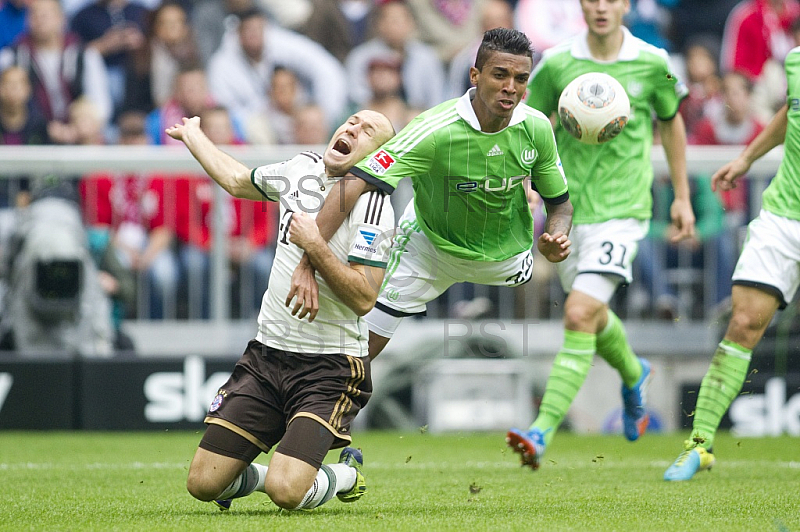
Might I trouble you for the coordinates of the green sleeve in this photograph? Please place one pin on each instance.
(547, 174)
(668, 91)
(398, 158)
(542, 93)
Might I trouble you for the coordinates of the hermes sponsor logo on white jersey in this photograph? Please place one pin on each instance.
(364, 241)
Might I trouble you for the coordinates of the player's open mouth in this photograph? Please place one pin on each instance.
(342, 147)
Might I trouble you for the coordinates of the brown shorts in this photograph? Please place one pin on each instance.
(269, 388)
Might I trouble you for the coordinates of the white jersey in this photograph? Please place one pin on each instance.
(300, 184)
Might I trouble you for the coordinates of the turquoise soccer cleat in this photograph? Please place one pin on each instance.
(353, 458)
(529, 444)
(634, 417)
(689, 462)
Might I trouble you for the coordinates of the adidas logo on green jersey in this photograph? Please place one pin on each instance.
(495, 151)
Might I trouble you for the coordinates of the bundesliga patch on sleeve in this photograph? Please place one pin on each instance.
(380, 162)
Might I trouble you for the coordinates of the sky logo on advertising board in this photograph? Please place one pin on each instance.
(767, 414)
(380, 162)
(174, 396)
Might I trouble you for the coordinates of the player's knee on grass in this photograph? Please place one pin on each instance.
(287, 493)
(203, 487)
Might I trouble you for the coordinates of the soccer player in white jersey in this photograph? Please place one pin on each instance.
(298, 384)
(610, 185)
(470, 160)
(765, 279)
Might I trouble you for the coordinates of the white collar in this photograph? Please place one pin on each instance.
(627, 52)
(465, 111)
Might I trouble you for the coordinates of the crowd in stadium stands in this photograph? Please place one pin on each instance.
(98, 72)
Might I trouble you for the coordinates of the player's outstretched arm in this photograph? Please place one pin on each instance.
(771, 136)
(554, 243)
(229, 173)
(338, 204)
(673, 138)
(356, 285)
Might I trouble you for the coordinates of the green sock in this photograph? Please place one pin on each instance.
(613, 347)
(570, 368)
(719, 388)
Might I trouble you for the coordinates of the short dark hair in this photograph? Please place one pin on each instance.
(504, 40)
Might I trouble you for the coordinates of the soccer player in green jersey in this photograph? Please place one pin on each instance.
(766, 276)
(610, 186)
(470, 160)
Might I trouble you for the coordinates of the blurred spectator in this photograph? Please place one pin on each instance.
(61, 69)
(710, 246)
(172, 49)
(240, 71)
(275, 124)
(755, 31)
(211, 19)
(339, 25)
(12, 20)
(127, 210)
(495, 14)
(446, 25)
(20, 124)
(650, 20)
(735, 122)
(769, 91)
(548, 22)
(702, 80)
(84, 125)
(115, 28)
(386, 85)
(423, 75)
(189, 98)
(309, 127)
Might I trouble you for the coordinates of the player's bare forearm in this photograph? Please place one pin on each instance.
(229, 173)
(673, 138)
(554, 243)
(559, 218)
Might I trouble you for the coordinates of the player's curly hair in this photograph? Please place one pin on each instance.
(505, 40)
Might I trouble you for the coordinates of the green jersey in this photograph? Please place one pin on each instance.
(611, 180)
(469, 191)
(781, 196)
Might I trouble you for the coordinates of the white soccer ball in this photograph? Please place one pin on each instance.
(594, 108)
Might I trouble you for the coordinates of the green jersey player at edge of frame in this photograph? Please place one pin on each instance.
(610, 185)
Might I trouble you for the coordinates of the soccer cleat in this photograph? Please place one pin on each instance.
(634, 417)
(530, 445)
(689, 462)
(223, 504)
(353, 458)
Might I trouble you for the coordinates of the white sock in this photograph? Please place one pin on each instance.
(331, 479)
(251, 479)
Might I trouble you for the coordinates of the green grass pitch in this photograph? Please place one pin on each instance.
(416, 481)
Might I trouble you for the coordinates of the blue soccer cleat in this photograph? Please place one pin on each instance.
(689, 462)
(353, 458)
(529, 444)
(634, 417)
(223, 504)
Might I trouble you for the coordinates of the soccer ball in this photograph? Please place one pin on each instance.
(594, 108)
